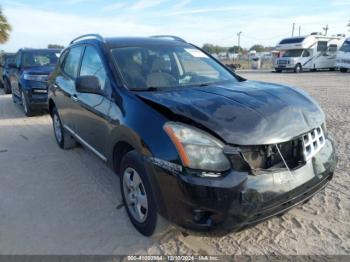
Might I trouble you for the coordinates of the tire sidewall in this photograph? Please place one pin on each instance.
(298, 68)
(60, 143)
(134, 160)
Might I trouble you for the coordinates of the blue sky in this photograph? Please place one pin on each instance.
(37, 23)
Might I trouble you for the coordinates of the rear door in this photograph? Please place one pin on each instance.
(64, 86)
(92, 119)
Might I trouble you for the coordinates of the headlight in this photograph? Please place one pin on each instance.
(197, 149)
(35, 77)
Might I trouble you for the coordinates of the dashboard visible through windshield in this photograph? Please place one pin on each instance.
(168, 67)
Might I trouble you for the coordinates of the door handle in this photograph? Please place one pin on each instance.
(74, 98)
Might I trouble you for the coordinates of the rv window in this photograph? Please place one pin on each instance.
(306, 53)
(321, 46)
(293, 53)
(332, 48)
(293, 40)
(345, 47)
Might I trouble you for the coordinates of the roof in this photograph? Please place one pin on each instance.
(114, 42)
(39, 49)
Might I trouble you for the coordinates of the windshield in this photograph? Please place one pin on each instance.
(293, 53)
(168, 67)
(40, 58)
(346, 46)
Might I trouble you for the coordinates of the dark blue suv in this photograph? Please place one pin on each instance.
(28, 77)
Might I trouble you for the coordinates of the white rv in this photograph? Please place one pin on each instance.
(343, 56)
(312, 52)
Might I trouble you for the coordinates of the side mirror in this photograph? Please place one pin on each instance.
(88, 84)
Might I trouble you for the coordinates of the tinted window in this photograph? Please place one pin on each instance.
(72, 60)
(306, 53)
(346, 46)
(322, 46)
(293, 40)
(293, 53)
(92, 65)
(40, 58)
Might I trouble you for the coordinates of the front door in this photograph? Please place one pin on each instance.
(92, 117)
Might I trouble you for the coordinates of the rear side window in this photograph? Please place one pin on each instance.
(71, 64)
(92, 66)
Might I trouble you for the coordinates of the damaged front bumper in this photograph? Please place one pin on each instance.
(238, 199)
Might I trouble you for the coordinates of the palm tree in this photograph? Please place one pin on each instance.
(5, 28)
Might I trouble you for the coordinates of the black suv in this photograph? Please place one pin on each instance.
(191, 141)
(28, 77)
(5, 60)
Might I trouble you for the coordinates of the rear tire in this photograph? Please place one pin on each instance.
(298, 69)
(343, 70)
(332, 69)
(138, 197)
(62, 136)
(278, 70)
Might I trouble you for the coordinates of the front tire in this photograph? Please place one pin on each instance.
(26, 106)
(63, 138)
(343, 70)
(298, 69)
(138, 197)
(7, 87)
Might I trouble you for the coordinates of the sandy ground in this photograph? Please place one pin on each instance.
(64, 202)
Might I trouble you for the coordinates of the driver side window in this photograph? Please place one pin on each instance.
(92, 65)
(306, 53)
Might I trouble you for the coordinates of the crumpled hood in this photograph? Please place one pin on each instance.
(39, 70)
(245, 113)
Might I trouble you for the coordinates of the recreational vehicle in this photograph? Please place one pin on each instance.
(343, 56)
(312, 52)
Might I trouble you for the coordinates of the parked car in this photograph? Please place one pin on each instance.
(191, 141)
(28, 77)
(5, 60)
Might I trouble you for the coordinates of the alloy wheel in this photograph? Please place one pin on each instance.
(135, 195)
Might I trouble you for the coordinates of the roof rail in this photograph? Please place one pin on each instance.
(96, 36)
(173, 37)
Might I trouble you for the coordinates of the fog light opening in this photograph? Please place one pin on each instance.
(202, 217)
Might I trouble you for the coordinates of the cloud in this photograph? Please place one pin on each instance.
(142, 4)
(113, 7)
(181, 4)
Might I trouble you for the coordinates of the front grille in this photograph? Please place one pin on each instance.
(313, 142)
(282, 62)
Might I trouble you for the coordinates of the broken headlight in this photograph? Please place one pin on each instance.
(197, 149)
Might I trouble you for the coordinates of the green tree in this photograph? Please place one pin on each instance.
(5, 28)
(257, 48)
(235, 48)
(55, 46)
(214, 49)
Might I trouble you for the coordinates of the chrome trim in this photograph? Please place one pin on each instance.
(85, 143)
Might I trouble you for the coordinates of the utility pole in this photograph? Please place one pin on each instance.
(348, 25)
(325, 29)
(239, 42)
(299, 29)
(293, 29)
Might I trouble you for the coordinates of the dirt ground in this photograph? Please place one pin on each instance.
(65, 202)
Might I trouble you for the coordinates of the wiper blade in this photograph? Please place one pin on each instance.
(151, 88)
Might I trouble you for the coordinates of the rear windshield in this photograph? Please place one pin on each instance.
(168, 67)
(346, 46)
(293, 53)
(293, 40)
(40, 58)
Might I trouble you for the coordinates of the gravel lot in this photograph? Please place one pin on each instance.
(65, 202)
